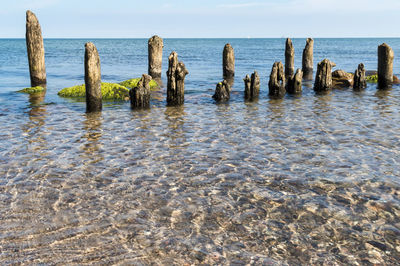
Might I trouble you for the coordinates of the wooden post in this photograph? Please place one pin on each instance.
(92, 79)
(222, 92)
(307, 60)
(385, 66)
(323, 78)
(228, 64)
(35, 48)
(294, 85)
(276, 82)
(252, 87)
(155, 50)
(176, 80)
(289, 59)
(140, 95)
(359, 78)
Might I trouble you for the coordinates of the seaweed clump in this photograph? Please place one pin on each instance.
(372, 79)
(32, 90)
(132, 83)
(109, 91)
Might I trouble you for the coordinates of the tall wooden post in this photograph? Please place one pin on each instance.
(155, 50)
(228, 64)
(289, 59)
(385, 66)
(176, 80)
(35, 48)
(307, 60)
(92, 79)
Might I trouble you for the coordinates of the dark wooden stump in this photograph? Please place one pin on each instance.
(289, 59)
(323, 78)
(251, 87)
(294, 85)
(359, 78)
(276, 82)
(92, 79)
(307, 60)
(35, 48)
(140, 95)
(176, 80)
(222, 92)
(155, 50)
(385, 66)
(228, 64)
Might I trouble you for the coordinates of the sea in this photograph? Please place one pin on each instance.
(309, 179)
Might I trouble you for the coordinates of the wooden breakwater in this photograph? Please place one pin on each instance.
(283, 78)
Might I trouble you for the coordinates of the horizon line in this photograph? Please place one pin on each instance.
(215, 38)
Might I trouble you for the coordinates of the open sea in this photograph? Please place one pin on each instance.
(309, 179)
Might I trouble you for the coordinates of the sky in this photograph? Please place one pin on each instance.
(203, 18)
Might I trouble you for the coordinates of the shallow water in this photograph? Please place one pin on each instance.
(312, 179)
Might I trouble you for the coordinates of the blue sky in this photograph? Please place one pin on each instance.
(203, 18)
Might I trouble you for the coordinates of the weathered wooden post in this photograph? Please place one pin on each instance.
(385, 66)
(289, 59)
(359, 78)
(140, 95)
(155, 50)
(251, 87)
(276, 82)
(228, 64)
(35, 48)
(222, 92)
(307, 60)
(294, 85)
(323, 78)
(92, 79)
(176, 80)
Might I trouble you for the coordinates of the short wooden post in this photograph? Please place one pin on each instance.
(176, 80)
(251, 87)
(385, 66)
(359, 78)
(294, 85)
(323, 78)
(222, 92)
(276, 82)
(140, 95)
(35, 48)
(228, 64)
(92, 79)
(155, 50)
(307, 60)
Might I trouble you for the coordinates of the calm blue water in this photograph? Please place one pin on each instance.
(311, 179)
(122, 59)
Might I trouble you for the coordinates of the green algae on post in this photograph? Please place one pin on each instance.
(132, 83)
(32, 90)
(110, 91)
(372, 79)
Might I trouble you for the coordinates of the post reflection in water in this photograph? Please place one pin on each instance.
(175, 115)
(37, 117)
(92, 135)
(276, 109)
(322, 106)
